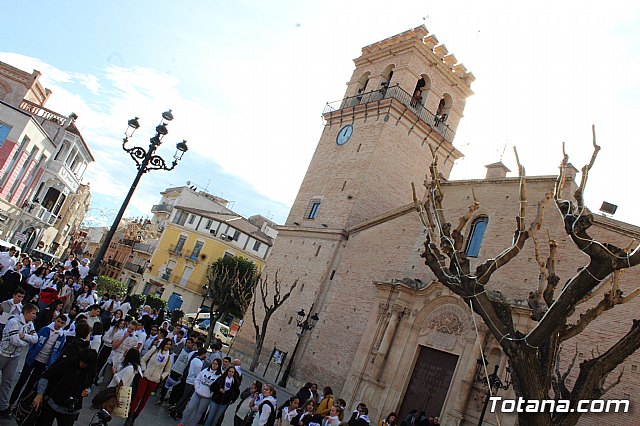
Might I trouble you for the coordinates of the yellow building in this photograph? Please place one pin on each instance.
(191, 240)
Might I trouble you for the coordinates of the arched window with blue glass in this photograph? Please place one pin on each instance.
(478, 229)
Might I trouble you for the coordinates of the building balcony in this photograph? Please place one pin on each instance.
(144, 248)
(40, 213)
(61, 171)
(162, 208)
(136, 269)
(114, 264)
(435, 121)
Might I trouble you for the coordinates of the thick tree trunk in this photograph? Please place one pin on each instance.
(256, 354)
(260, 341)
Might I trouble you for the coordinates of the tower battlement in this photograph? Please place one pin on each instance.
(436, 52)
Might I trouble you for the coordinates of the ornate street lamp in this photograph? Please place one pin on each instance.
(146, 160)
(492, 381)
(304, 322)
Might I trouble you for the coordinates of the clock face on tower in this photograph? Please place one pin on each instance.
(344, 134)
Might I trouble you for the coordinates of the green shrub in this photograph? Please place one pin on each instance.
(176, 316)
(155, 302)
(137, 300)
(107, 285)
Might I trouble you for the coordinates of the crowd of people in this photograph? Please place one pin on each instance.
(79, 343)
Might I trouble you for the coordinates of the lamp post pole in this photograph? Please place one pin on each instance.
(305, 322)
(146, 160)
(494, 383)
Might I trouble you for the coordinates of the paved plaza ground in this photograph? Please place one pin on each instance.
(154, 415)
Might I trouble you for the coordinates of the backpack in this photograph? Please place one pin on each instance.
(272, 416)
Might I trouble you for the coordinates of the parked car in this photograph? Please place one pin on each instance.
(220, 330)
(45, 257)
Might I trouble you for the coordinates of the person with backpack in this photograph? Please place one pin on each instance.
(202, 394)
(266, 414)
(226, 390)
(326, 402)
(190, 373)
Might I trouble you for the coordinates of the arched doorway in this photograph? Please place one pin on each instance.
(30, 239)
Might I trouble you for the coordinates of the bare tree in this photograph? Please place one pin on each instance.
(230, 284)
(269, 306)
(534, 356)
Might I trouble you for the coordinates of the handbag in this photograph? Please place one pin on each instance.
(124, 402)
(25, 414)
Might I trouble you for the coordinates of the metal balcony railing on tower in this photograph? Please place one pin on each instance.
(436, 121)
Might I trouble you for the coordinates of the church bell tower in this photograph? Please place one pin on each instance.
(406, 93)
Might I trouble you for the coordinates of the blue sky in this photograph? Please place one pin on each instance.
(247, 82)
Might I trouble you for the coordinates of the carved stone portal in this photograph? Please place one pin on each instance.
(445, 319)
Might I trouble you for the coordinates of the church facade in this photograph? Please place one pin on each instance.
(388, 333)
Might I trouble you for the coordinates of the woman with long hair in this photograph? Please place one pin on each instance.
(306, 414)
(288, 411)
(86, 298)
(117, 315)
(390, 420)
(202, 394)
(127, 370)
(34, 283)
(156, 365)
(107, 340)
(226, 390)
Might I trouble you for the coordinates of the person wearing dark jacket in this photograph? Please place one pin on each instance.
(48, 314)
(75, 344)
(226, 390)
(308, 392)
(10, 282)
(62, 388)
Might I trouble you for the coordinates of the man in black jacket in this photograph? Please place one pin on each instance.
(62, 388)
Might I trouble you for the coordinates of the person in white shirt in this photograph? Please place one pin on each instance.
(149, 340)
(36, 279)
(86, 299)
(17, 335)
(11, 307)
(125, 306)
(141, 335)
(83, 268)
(94, 315)
(67, 264)
(8, 260)
(202, 394)
(95, 341)
(127, 370)
(123, 340)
